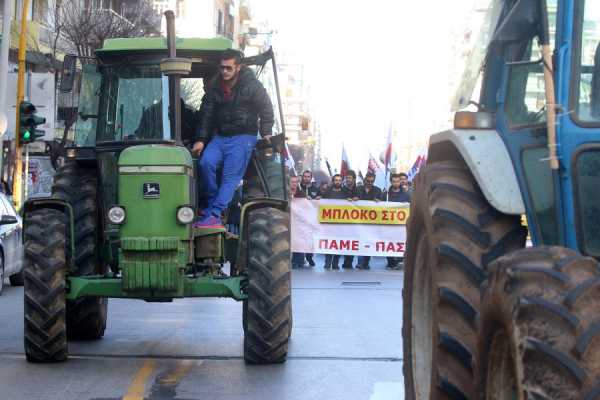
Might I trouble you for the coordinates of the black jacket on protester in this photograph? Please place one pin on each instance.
(352, 192)
(333, 194)
(400, 196)
(240, 115)
(374, 193)
(310, 192)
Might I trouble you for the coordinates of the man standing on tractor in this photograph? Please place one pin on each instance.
(236, 108)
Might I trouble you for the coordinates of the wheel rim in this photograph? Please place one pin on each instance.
(422, 323)
(501, 382)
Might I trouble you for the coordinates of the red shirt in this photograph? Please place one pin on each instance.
(227, 91)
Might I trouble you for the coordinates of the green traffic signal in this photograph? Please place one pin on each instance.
(28, 123)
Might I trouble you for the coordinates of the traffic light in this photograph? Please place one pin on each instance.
(29, 122)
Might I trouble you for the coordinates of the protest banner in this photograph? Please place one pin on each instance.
(360, 228)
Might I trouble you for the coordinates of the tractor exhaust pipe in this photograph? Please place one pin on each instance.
(174, 80)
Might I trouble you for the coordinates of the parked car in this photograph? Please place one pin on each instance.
(11, 243)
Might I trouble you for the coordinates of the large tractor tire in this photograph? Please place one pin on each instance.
(453, 234)
(540, 327)
(44, 271)
(268, 309)
(86, 317)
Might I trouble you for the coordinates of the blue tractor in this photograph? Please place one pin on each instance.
(485, 315)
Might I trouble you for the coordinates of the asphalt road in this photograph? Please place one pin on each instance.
(346, 344)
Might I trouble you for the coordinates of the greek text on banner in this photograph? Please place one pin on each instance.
(351, 214)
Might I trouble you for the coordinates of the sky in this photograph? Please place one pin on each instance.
(370, 64)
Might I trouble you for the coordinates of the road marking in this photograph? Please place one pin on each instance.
(137, 388)
(182, 369)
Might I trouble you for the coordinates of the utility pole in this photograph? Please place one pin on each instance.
(18, 177)
(4, 49)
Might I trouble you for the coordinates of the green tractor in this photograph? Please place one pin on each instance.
(120, 220)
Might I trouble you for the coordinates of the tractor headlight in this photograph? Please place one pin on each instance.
(116, 215)
(185, 215)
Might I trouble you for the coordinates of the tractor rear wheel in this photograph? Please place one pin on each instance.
(267, 312)
(86, 317)
(540, 327)
(44, 271)
(453, 234)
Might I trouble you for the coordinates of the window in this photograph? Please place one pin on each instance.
(10, 209)
(180, 9)
(123, 103)
(587, 66)
(588, 201)
(219, 22)
(525, 99)
(525, 103)
(134, 109)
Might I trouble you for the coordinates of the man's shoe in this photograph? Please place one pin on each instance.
(347, 266)
(311, 262)
(390, 267)
(326, 266)
(366, 266)
(210, 222)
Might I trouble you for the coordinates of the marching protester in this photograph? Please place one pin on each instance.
(308, 187)
(336, 191)
(368, 192)
(350, 185)
(399, 192)
(297, 258)
(323, 187)
(351, 195)
(310, 191)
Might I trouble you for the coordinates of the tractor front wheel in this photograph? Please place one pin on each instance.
(268, 309)
(453, 233)
(44, 272)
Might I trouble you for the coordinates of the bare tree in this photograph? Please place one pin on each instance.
(85, 27)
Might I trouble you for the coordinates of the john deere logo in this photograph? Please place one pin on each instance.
(151, 190)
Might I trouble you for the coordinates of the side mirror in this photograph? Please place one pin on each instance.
(67, 77)
(8, 220)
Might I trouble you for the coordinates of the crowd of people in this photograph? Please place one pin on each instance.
(347, 188)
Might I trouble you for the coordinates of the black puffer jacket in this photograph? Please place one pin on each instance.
(249, 103)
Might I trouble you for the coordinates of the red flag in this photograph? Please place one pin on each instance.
(345, 163)
(388, 150)
(373, 167)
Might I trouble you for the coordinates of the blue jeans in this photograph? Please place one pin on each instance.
(232, 154)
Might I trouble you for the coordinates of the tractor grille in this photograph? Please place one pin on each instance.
(152, 264)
